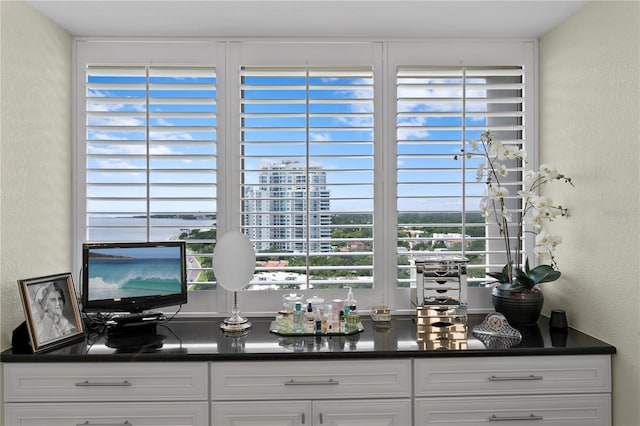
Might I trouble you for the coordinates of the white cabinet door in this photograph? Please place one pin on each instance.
(261, 413)
(112, 414)
(319, 413)
(565, 410)
(362, 412)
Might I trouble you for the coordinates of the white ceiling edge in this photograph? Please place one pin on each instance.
(380, 19)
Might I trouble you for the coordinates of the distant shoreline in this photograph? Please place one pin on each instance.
(93, 255)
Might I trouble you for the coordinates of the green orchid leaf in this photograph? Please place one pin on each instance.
(498, 276)
(524, 279)
(543, 274)
(502, 277)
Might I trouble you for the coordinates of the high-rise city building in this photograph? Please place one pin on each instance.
(289, 200)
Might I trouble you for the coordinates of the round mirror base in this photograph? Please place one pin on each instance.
(235, 324)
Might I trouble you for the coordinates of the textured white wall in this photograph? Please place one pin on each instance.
(35, 166)
(590, 128)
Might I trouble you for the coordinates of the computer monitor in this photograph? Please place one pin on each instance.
(133, 277)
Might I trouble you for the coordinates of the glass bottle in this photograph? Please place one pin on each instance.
(353, 318)
(309, 320)
(298, 319)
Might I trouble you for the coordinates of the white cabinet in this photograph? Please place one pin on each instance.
(348, 412)
(338, 393)
(174, 393)
(451, 391)
(567, 390)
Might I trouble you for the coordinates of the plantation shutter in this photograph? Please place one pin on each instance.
(151, 156)
(307, 175)
(438, 109)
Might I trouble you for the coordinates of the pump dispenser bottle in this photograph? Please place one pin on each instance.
(352, 317)
(349, 300)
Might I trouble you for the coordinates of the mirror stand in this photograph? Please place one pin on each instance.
(235, 323)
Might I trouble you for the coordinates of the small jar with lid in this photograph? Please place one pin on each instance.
(316, 303)
(290, 300)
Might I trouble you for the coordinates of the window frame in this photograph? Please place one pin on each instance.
(104, 52)
(227, 56)
(457, 53)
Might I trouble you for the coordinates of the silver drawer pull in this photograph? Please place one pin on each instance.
(503, 378)
(495, 418)
(311, 382)
(126, 423)
(88, 383)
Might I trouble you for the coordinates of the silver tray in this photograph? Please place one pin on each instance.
(273, 328)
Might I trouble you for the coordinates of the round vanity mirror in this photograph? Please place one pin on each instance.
(234, 262)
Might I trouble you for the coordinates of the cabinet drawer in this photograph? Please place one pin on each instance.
(311, 379)
(138, 414)
(41, 382)
(513, 375)
(577, 410)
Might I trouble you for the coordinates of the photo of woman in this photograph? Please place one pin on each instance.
(51, 310)
(50, 301)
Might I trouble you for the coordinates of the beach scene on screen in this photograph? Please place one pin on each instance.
(134, 272)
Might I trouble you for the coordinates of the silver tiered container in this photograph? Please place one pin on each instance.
(441, 302)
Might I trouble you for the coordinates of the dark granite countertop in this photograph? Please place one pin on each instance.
(188, 339)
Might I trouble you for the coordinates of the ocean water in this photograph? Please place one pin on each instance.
(134, 228)
(114, 278)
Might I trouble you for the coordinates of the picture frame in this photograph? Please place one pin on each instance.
(51, 311)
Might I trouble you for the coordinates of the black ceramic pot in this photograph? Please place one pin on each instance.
(520, 307)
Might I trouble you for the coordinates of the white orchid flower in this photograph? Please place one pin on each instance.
(494, 148)
(535, 219)
(526, 194)
(541, 252)
(506, 214)
(547, 240)
(486, 207)
(474, 145)
(544, 205)
(530, 177)
(501, 169)
(480, 172)
(497, 191)
(548, 171)
(509, 152)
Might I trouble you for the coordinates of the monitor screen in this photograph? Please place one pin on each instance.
(133, 277)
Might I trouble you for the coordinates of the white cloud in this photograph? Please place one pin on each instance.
(168, 135)
(115, 164)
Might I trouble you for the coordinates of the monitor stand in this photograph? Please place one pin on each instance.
(139, 321)
(135, 332)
